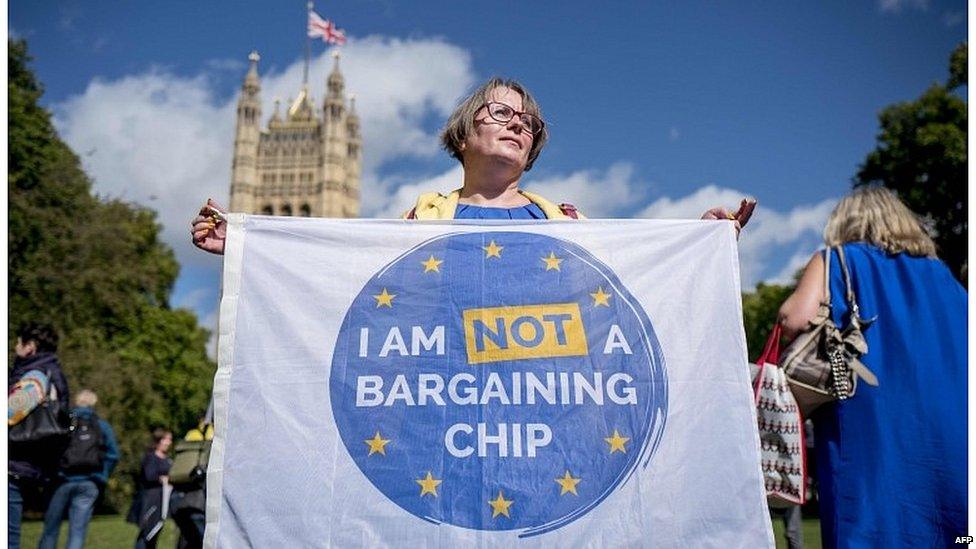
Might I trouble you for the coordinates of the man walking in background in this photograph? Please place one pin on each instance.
(84, 470)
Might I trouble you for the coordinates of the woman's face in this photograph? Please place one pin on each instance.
(493, 141)
(164, 443)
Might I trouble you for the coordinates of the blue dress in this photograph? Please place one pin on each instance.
(892, 460)
(467, 211)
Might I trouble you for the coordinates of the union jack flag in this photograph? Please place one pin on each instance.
(318, 27)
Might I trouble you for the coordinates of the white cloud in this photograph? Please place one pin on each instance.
(895, 6)
(953, 18)
(787, 275)
(769, 236)
(162, 135)
(693, 205)
(403, 197)
(154, 135)
(596, 193)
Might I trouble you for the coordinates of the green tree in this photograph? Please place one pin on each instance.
(921, 155)
(96, 269)
(759, 311)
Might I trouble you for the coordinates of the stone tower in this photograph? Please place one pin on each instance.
(306, 163)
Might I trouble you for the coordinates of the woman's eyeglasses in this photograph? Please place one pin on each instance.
(500, 112)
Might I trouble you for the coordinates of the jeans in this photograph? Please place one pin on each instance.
(78, 497)
(793, 525)
(15, 511)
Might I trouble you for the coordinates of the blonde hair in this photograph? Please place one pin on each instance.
(86, 399)
(875, 215)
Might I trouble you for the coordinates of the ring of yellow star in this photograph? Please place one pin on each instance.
(500, 505)
(493, 250)
(377, 444)
(428, 485)
(616, 442)
(567, 484)
(601, 298)
(552, 262)
(432, 264)
(384, 299)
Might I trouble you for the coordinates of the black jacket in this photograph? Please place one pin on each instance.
(31, 467)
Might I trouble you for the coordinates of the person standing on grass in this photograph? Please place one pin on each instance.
(147, 509)
(85, 467)
(36, 377)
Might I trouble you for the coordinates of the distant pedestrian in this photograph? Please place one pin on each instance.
(87, 462)
(35, 377)
(148, 509)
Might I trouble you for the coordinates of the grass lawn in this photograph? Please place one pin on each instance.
(104, 532)
(109, 532)
(811, 533)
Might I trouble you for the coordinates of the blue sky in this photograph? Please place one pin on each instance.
(655, 110)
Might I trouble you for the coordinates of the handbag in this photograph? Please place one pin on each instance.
(46, 426)
(823, 363)
(780, 425)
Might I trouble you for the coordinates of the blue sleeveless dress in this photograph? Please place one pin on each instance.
(892, 460)
(467, 211)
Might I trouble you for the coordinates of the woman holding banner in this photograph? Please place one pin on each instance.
(497, 134)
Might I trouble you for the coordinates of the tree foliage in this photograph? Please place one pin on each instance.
(921, 155)
(96, 269)
(759, 312)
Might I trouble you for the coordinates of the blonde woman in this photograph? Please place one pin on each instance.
(892, 463)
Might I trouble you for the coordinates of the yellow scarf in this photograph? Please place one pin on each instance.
(438, 206)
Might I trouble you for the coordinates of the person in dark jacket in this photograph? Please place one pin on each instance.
(147, 509)
(27, 468)
(80, 485)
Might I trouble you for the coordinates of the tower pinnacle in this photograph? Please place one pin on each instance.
(252, 82)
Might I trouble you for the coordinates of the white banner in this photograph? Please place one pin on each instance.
(445, 384)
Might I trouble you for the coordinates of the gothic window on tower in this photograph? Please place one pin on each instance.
(352, 151)
(267, 210)
(306, 210)
(286, 209)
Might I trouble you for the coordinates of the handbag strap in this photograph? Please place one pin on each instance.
(851, 298)
(771, 350)
(826, 293)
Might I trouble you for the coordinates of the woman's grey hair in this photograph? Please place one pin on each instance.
(86, 399)
(461, 122)
(875, 215)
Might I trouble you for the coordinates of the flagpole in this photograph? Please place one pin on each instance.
(308, 45)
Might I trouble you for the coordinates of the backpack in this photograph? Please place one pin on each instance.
(85, 452)
(190, 458)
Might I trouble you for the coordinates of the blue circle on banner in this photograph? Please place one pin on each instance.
(498, 381)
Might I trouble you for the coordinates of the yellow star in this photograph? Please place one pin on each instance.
(493, 250)
(601, 298)
(500, 505)
(616, 442)
(377, 444)
(432, 264)
(568, 484)
(428, 485)
(384, 298)
(552, 262)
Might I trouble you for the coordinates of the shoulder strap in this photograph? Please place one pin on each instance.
(827, 254)
(851, 299)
